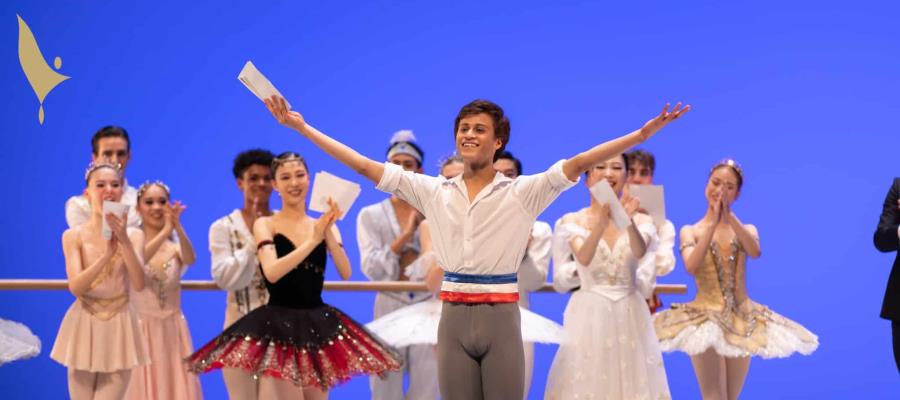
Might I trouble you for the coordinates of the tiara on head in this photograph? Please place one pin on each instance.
(147, 184)
(729, 162)
(279, 161)
(93, 166)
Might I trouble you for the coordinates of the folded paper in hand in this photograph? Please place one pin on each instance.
(258, 84)
(111, 207)
(605, 195)
(652, 200)
(342, 191)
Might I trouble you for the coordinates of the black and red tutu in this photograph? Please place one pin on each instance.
(320, 347)
(297, 337)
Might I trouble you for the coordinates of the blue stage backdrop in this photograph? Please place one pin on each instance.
(805, 96)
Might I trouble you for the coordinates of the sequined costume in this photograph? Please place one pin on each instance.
(724, 318)
(296, 336)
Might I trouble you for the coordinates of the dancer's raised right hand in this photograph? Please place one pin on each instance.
(279, 109)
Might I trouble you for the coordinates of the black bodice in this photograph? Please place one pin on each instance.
(302, 287)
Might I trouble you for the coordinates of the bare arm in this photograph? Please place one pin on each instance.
(152, 246)
(337, 150)
(694, 245)
(336, 249)
(748, 236)
(636, 239)
(273, 267)
(79, 280)
(188, 256)
(276, 268)
(583, 161)
(133, 265)
(584, 249)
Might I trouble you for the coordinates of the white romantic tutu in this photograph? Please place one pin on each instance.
(17, 342)
(418, 324)
(610, 352)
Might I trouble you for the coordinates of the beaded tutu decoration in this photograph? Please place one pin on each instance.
(724, 318)
(296, 336)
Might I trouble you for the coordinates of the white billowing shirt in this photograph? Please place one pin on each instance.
(487, 236)
(536, 264)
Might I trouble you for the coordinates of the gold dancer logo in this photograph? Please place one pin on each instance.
(41, 77)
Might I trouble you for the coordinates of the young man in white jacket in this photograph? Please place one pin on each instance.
(234, 266)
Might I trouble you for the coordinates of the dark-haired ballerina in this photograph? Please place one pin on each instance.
(722, 328)
(298, 346)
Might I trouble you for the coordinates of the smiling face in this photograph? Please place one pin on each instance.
(152, 206)
(256, 183)
(292, 182)
(104, 184)
(724, 183)
(475, 139)
(613, 171)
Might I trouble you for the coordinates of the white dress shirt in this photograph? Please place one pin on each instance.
(78, 208)
(487, 236)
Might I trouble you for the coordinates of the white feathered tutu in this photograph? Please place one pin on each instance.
(17, 342)
(418, 324)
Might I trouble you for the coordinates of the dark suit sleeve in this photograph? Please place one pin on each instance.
(886, 238)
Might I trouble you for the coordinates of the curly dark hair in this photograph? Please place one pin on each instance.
(251, 157)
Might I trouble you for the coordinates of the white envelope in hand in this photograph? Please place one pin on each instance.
(258, 84)
(111, 207)
(342, 191)
(652, 200)
(605, 195)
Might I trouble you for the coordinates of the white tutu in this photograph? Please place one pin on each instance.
(418, 324)
(610, 352)
(17, 342)
(783, 338)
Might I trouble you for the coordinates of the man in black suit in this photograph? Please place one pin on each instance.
(887, 239)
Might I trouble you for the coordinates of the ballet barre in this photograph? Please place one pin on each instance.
(334, 286)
